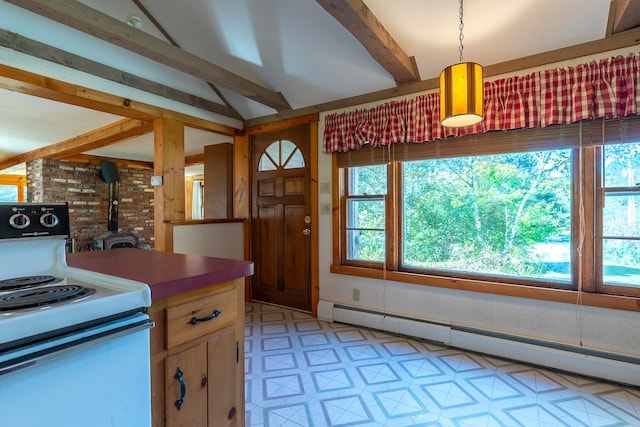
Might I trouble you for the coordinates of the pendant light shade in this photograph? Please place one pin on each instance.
(461, 95)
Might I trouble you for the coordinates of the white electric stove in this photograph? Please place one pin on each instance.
(67, 334)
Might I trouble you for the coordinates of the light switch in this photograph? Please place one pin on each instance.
(156, 181)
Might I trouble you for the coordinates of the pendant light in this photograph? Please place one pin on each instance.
(461, 91)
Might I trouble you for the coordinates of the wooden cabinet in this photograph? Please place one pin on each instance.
(197, 358)
(218, 181)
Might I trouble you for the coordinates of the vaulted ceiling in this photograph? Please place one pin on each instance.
(245, 62)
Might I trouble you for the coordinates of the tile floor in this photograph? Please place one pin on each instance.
(304, 372)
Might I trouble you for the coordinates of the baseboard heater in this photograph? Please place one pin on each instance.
(580, 360)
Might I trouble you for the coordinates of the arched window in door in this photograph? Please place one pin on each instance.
(281, 154)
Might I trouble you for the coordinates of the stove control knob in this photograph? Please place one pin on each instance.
(49, 220)
(19, 221)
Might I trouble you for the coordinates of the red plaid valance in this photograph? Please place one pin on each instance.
(600, 89)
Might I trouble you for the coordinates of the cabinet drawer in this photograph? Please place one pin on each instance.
(191, 320)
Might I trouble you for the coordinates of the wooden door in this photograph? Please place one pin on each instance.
(281, 218)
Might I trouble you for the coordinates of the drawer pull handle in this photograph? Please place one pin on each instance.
(212, 316)
(183, 388)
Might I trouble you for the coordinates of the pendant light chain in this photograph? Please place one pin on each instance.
(461, 89)
(461, 28)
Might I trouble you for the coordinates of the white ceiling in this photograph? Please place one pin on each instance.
(290, 46)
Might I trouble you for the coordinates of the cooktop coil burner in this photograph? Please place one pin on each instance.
(27, 282)
(42, 296)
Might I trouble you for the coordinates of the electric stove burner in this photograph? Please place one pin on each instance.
(45, 295)
(26, 282)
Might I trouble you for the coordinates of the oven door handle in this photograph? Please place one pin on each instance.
(58, 349)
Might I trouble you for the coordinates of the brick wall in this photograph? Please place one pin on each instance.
(88, 197)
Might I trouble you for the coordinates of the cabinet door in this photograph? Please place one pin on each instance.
(186, 379)
(223, 364)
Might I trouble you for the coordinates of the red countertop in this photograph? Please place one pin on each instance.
(166, 273)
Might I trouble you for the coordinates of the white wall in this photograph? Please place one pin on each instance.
(214, 239)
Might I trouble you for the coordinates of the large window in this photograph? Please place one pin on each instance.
(506, 214)
(557, 207)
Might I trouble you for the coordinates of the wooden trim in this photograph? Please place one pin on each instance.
(340, 248)
(546, 294)
(315, 235)
(282, 124)
(586, 222)
(8, 179)
(337, 191)
(394, 220)
(247, 256)
(626, 39)
(205, 221)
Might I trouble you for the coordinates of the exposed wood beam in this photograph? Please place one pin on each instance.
(626, 15)
(9, 179)
(96, 160)
(356, 17)
(196, 159)
(282, 124)
(56, 90)
(49, 53)
(164, 32)
(81, 17)
(626, 39)
(101, 137)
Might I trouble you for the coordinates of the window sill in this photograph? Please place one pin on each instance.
(521, 291)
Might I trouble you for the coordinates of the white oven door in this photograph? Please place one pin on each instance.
(93, 382)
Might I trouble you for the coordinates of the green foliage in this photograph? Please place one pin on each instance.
(485, 214)
(506, 214)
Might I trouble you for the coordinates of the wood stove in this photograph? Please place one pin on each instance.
(113, 239)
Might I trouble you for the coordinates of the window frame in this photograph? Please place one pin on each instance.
(19, 181)
(389, 230)
(583, 138)
(601, 192)
(509, 279)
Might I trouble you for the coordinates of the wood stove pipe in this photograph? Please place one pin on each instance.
(109, 173)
